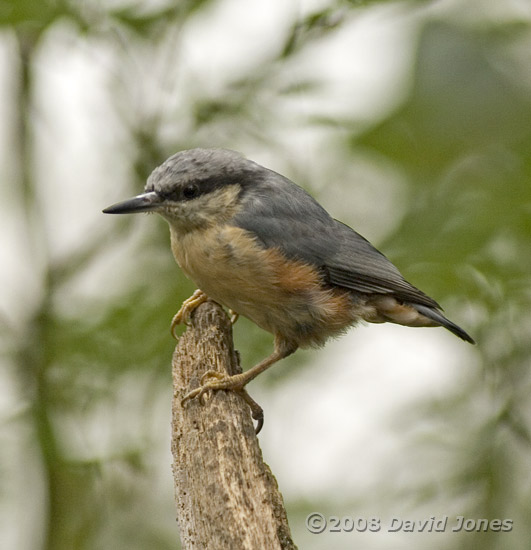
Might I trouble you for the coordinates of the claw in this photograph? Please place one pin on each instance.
(256, 411)
(188, 306)
(234, 316)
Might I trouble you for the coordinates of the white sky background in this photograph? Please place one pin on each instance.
(329, 430)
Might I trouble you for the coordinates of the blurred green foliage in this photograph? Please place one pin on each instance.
(92, 375)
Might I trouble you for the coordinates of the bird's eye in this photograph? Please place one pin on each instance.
(190, 191)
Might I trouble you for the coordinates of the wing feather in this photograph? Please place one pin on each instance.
(282, 215)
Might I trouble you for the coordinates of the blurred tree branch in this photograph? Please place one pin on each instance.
(226, 495)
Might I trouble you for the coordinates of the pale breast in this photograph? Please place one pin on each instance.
(279, 295)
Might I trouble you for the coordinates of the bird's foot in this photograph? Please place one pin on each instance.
(214, 380)
(183, 315)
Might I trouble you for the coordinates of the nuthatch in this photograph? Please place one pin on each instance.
(258, 244)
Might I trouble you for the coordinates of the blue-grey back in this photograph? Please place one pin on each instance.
(282, 215)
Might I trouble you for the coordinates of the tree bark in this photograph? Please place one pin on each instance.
(227, 497)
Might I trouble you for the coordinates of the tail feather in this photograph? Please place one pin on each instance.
(437, 316)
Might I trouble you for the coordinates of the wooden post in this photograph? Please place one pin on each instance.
(227, 497)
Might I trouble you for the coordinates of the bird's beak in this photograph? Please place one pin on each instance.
(140, 203)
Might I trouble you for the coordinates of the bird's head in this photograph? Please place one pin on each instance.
(194, 189)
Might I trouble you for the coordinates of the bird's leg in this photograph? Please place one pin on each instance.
(183, 315)
(213, 380)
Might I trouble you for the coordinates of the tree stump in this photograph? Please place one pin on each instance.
(227, 497)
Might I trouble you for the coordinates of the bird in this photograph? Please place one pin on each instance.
(260, 245)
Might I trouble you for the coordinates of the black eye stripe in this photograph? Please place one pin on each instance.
(196, 188)
(173, 195)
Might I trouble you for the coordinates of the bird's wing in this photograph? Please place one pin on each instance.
(282, 215)
(359, 266)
